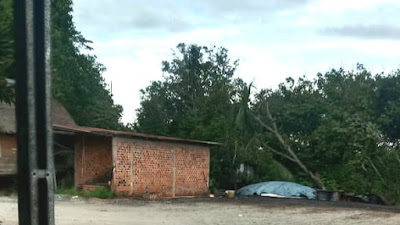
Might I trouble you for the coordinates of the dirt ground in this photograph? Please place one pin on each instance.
(218, 211)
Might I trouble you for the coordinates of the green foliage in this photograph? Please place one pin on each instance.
(77, 80)
(6, 50)
(343, 125)
(195, 94)
(68, 191)
(199, 98)
(100, 192)
(213, 186)
(76, 77)
(277, 171)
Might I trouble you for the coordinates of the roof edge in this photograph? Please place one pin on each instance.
(105, 132)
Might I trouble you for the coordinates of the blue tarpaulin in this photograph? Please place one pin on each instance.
(279, 188)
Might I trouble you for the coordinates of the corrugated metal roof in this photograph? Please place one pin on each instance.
(104, 132)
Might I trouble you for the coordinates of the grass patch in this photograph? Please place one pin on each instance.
(101, 192)
(68, 191)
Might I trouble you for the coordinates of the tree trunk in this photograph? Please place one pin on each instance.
(317, 180)
(291, 155)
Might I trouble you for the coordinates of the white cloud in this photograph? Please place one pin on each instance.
(340, 5)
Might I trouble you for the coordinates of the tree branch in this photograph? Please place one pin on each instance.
(397, 157)
(234, 155)
(377, 171)
(263, 124)
(292, 155)
(280, 153)
(271, 118)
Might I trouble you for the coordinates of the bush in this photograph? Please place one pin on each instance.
(68, 191)
(101, 192)
(213, 186)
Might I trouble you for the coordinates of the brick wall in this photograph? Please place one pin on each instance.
(93, 161)
(157, 167)
(192, 168)
(8, 155)
(8, 146)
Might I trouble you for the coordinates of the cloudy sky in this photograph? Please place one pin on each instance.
(272, 39)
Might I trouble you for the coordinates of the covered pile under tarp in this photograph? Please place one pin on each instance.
(278, 189)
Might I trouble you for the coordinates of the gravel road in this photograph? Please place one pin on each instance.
(209, 211)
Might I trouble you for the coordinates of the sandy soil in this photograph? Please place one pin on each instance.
(209, 211)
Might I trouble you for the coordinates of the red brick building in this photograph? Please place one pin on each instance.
(132, 164)
(135, 164)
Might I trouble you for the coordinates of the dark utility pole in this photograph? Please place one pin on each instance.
(34, 131)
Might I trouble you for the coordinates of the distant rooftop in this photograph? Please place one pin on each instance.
(59, 115)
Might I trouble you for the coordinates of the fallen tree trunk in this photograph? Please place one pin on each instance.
(291, 155)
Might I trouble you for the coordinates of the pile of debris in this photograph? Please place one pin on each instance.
(325, 195)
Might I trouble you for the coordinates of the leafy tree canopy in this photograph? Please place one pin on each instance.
(339, 130)
(76, 76)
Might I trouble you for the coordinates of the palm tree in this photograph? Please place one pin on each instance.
(247, 142)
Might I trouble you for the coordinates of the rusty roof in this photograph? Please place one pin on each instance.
(105, 132)
(59, 115)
